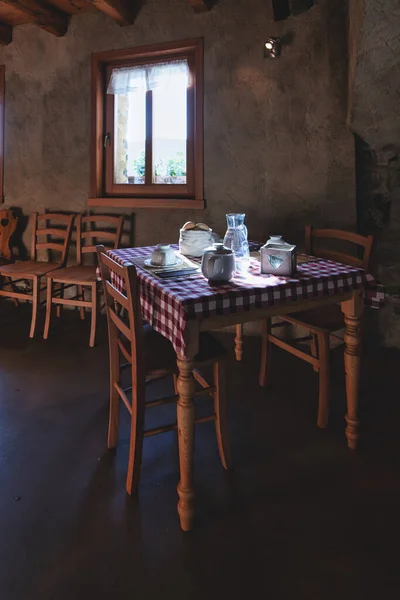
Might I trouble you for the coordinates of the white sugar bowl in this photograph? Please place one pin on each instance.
(163, 256)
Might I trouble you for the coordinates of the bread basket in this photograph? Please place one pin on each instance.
(194, 239)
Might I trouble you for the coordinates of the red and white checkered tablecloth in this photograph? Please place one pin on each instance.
(169, 304)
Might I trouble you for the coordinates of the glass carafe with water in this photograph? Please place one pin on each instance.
(236, 239)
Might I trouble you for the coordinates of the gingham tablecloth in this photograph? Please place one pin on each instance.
(169, 304)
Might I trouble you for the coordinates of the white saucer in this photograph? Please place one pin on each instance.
(148, 262)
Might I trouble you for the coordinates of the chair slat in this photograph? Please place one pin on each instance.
(112, 265)
(365, 242)
(299, 353)
(340, 257)
(339, 234)
(120, 298)
(120, 324)
(49, 246)
(88, 249)
(124, 352)
(99, 233)
(55, 217)
(123, 397)
(52, 231)
(173, 426)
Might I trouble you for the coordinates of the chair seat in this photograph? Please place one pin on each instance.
(160, 356)
(75, 273)
(28, 268)
(326, 318)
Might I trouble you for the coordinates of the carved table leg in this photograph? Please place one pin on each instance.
(186, 417)
(353, 311)
(239, 342)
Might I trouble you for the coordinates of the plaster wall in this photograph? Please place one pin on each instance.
(276, 143)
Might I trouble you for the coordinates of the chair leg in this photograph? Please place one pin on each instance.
(49, 298)
(136, 439)
(221, 426)
(81, 296)
(265, 352)
(94, 316)
(35, 305)
(11, 282)
(314, 350)
(239, 342)
(324, 379)
(113, 419)
(59, 306)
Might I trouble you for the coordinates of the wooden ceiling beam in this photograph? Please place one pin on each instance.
(124, 12)
(73, 7)
(5, 34)
(47, 18)
(200, 6)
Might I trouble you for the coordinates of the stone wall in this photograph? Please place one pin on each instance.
(276, 144)
(374, 116)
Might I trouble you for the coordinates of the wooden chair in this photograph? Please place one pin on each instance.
(150, 356)
(8, 224)
(80, 275)
(58, 237)
(320, 322)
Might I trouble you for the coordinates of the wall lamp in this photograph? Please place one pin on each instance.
(272, 47)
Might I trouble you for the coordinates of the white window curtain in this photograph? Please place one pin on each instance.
(148, 77)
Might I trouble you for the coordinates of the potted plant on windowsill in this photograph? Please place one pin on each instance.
(174, 172)
(139, 169)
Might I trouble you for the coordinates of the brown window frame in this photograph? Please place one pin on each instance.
(103, 192)
(2, 114)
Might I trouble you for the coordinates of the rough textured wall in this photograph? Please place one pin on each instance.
(375, 118)
(375, 114)
(354, 25)
(276, 145)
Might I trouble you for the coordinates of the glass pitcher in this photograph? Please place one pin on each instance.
(236, 239)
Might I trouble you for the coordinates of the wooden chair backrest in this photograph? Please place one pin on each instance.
(359, 241)
(57, 229)
(131, 328)
(87, 228)
(8, 224)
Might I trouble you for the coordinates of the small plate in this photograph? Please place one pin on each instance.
(148, 262)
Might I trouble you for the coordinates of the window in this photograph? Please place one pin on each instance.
(2, 101)
(147, 127)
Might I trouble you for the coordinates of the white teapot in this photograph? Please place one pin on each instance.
(218, 263)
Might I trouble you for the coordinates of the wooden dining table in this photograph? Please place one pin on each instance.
(181, 308)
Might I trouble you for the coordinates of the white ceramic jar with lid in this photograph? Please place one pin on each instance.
(278, 257)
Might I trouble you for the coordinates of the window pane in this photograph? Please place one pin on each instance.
(130, 137)
(169, 133)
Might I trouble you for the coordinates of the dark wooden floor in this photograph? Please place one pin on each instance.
(300, 516)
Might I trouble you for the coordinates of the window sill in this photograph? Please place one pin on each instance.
(147, 203)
